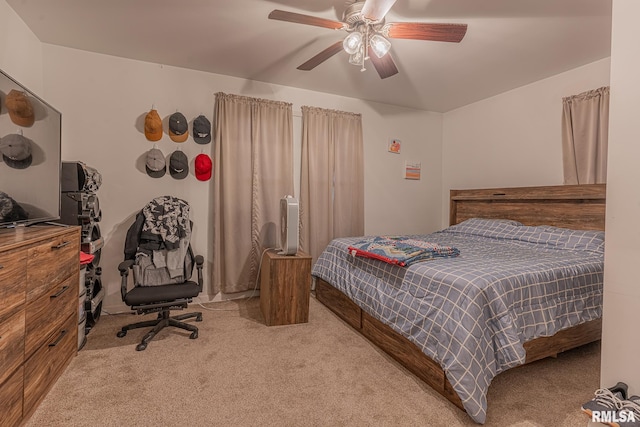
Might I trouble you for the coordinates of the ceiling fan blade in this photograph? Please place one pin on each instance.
(282, 15)
(321, 57)
(384, 66)
(375, 10)
(423, 31)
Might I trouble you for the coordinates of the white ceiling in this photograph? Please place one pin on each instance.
(509, 43)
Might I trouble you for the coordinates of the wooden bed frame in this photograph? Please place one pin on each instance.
(579, 207)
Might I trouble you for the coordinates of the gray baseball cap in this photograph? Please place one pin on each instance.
(178, 165)
(16, 151)
(156, 165)
(201, 130)
(178, 127)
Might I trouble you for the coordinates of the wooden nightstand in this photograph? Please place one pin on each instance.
(285, 285)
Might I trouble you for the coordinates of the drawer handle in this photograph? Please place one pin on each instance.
(60, 292)
(56, 342)
(61, 245)
(1, 266)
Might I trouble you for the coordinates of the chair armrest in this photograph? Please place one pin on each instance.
(199, 263)
(124, 267)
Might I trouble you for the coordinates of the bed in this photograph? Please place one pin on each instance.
(457, 321)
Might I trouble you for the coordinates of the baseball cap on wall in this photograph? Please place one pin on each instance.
(16, 151)
(153, 126)
(178, 165)
(178, 127)
(201, 130)
(19, 108)
(155, 164)
(202, 165)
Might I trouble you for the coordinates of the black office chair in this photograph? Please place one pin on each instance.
(154, 249)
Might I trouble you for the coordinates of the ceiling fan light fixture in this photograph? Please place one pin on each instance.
(364, 21)
(357, 57)
(380, 45)
(352, 42)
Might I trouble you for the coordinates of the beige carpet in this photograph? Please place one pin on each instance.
(240, 372)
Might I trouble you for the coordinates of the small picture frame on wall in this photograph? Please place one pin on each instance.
(412, 170)
(394, 146)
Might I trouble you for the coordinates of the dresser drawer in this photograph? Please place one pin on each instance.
(13, 267)
(11, 400)
(48, 363)
(11, 344)
(50, 263)
(45, 315)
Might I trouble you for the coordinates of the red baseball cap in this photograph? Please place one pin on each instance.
(202, 165)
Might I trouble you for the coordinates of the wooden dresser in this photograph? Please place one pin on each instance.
(39, 276)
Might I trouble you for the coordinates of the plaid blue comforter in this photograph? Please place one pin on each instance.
(472, 313)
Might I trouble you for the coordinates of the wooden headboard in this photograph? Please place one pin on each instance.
(581, 207)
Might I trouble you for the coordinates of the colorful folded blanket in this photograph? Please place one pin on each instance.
(402, 251)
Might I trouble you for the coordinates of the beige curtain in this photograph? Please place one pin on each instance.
(585, 130)
(253, 171)
(332, 178)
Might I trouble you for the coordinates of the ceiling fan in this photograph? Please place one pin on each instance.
(365, 23)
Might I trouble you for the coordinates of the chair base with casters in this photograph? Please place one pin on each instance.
(161, 299)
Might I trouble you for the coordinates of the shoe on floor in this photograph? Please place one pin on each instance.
(620, 387)
(606, 399)
(630, 412)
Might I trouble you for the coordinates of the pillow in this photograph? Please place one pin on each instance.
(565, 238)
(559, 238)
(496, 228)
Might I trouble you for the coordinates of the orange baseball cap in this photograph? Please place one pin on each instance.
(20, 108)
(153, 126)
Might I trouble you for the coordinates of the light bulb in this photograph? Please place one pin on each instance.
(356, 58)
(352, 42)
(380, 45)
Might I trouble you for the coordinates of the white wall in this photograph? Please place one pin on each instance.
(20, 50)
(103, 100)
(620, 345)
(513, 139)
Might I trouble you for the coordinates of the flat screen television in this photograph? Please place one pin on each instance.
(30, 160)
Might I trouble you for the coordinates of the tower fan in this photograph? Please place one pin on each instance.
(289, 217)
